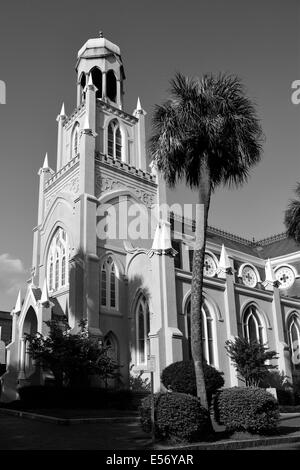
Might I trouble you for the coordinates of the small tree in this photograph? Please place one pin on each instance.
(72, 358)
(249, 359)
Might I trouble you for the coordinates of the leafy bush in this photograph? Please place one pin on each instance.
(178, 417)
(72, 358)
(137, 383)
(250, 360)
(284, 387)
(246, 409)
(180, 377)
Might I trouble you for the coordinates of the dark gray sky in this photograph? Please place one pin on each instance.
(39, 40)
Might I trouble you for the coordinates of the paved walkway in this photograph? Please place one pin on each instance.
(25, 434)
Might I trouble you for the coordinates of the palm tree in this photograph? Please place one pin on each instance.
(208, 134)
(292, 217)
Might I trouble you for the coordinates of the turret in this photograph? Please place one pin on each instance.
(101, 59)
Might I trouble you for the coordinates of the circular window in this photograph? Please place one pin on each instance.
(249, 276)
(285, 276)
(210, 267)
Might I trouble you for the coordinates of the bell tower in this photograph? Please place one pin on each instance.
(101, 59)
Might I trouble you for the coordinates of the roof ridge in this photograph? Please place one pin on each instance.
(231, 236)
(271, 239)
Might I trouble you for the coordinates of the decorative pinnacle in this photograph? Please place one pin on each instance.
(63, 112)
(46, 164)
(139, 110)
(101, 34)
(45, 296)
(90, 80)
(18, 305)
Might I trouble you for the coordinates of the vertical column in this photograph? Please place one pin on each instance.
(226, 272)
(60, 122)
(104, 86)
(90, 103)
(119, 97)
(270, 283)
(22, 358)
(284, 364)
(86, 209)
(140, 114)
(169, 337)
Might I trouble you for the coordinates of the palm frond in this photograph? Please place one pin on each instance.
(292, 219)
(206, 121)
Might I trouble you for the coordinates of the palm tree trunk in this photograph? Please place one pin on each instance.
(197, 283)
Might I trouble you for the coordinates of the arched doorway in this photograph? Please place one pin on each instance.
(111, 342)
(29, 328)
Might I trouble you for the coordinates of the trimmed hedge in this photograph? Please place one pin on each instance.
(180, 376)
(247, 409)
(178, 417)
(32, 397)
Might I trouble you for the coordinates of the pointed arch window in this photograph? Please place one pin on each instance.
(111, 85)
(294, 340)
(63, 269)
(57, 273)
(75, 141)
(142, 330)
(82, 87)
(208, 339)
(111, 342)
(51, 274)
(114, 140)
(253, 327)
(58, 261)
(97, 81)
(109, 284)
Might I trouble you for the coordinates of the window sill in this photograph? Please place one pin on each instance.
(110, 311)
(60, 291)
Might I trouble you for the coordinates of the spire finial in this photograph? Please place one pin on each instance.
(46, 163)
(63, 112)
(139, 110)
(18, 305)
(45, 296)
(101, 34)
(90, 80)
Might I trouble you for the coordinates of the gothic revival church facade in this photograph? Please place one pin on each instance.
(134, 288)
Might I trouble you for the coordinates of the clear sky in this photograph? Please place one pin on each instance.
(257, 40)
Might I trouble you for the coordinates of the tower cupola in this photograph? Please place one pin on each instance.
(102, 59)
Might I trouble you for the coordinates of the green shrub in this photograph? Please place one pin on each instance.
(180, 377)
(251, 360)
(178, 417)
(246, 409)
(284, 387)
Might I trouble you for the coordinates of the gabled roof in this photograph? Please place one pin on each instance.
(278, 245)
